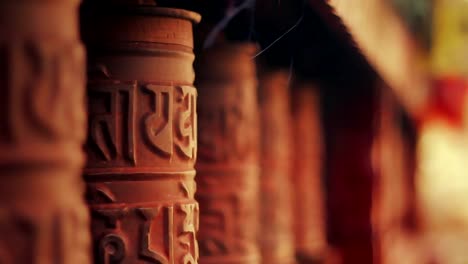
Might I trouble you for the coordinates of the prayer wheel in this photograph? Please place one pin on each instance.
(43, 217)
(228, 163)
(310, 232)
(276, 213)
(142, 141)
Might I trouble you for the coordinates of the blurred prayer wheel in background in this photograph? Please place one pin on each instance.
(43, 217)
(142, 141)
(306, 173)
(228, 163)
(276, 236)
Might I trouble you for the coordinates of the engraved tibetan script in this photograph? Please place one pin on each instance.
(161, 117)
(158, 124)
(228, 132)
(111, 249)
(176, 244)
(39, 234)
(218, 219)
(41, 93)
(112, 121)
(189, 229)
(187, 121)
(145, 251)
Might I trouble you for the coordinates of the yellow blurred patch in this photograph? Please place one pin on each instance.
(449, 54)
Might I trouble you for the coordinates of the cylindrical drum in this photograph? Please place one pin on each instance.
(307, 167)
(228, 165)
(142, 140)
(43, 217)
(276, 214)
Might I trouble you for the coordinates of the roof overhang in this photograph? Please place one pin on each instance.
(382, 37)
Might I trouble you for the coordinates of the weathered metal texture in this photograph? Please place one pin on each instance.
(306, 173)
(276, 214)
(43, 217)
(142, 141)
(228, 165)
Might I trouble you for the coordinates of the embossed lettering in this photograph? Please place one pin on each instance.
(145, 243)
(217, 218)
(158, 124)
(228, 128)
(42, 103)
(240, 122)
(190, 227)
(189, 189)
(100, 193)
(111, 215)
(112, 249)
(187, 121)
(112, 130)
(226, 134)
(61, 230)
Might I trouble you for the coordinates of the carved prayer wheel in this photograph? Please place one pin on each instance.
(277, 237)
(228, 164)
(43, 217)
(142, 140)
(307, 167)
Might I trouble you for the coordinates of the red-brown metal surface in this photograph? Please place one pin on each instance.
(142, 141)
(306, 173)
(276, 214)
(43, 218)
(228, 164)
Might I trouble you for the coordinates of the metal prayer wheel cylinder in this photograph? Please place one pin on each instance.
(277, 235)
(228, 163)
(43, 217)
(308, 206)
(142, 141)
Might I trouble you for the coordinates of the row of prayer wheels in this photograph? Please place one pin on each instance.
(151, 127)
